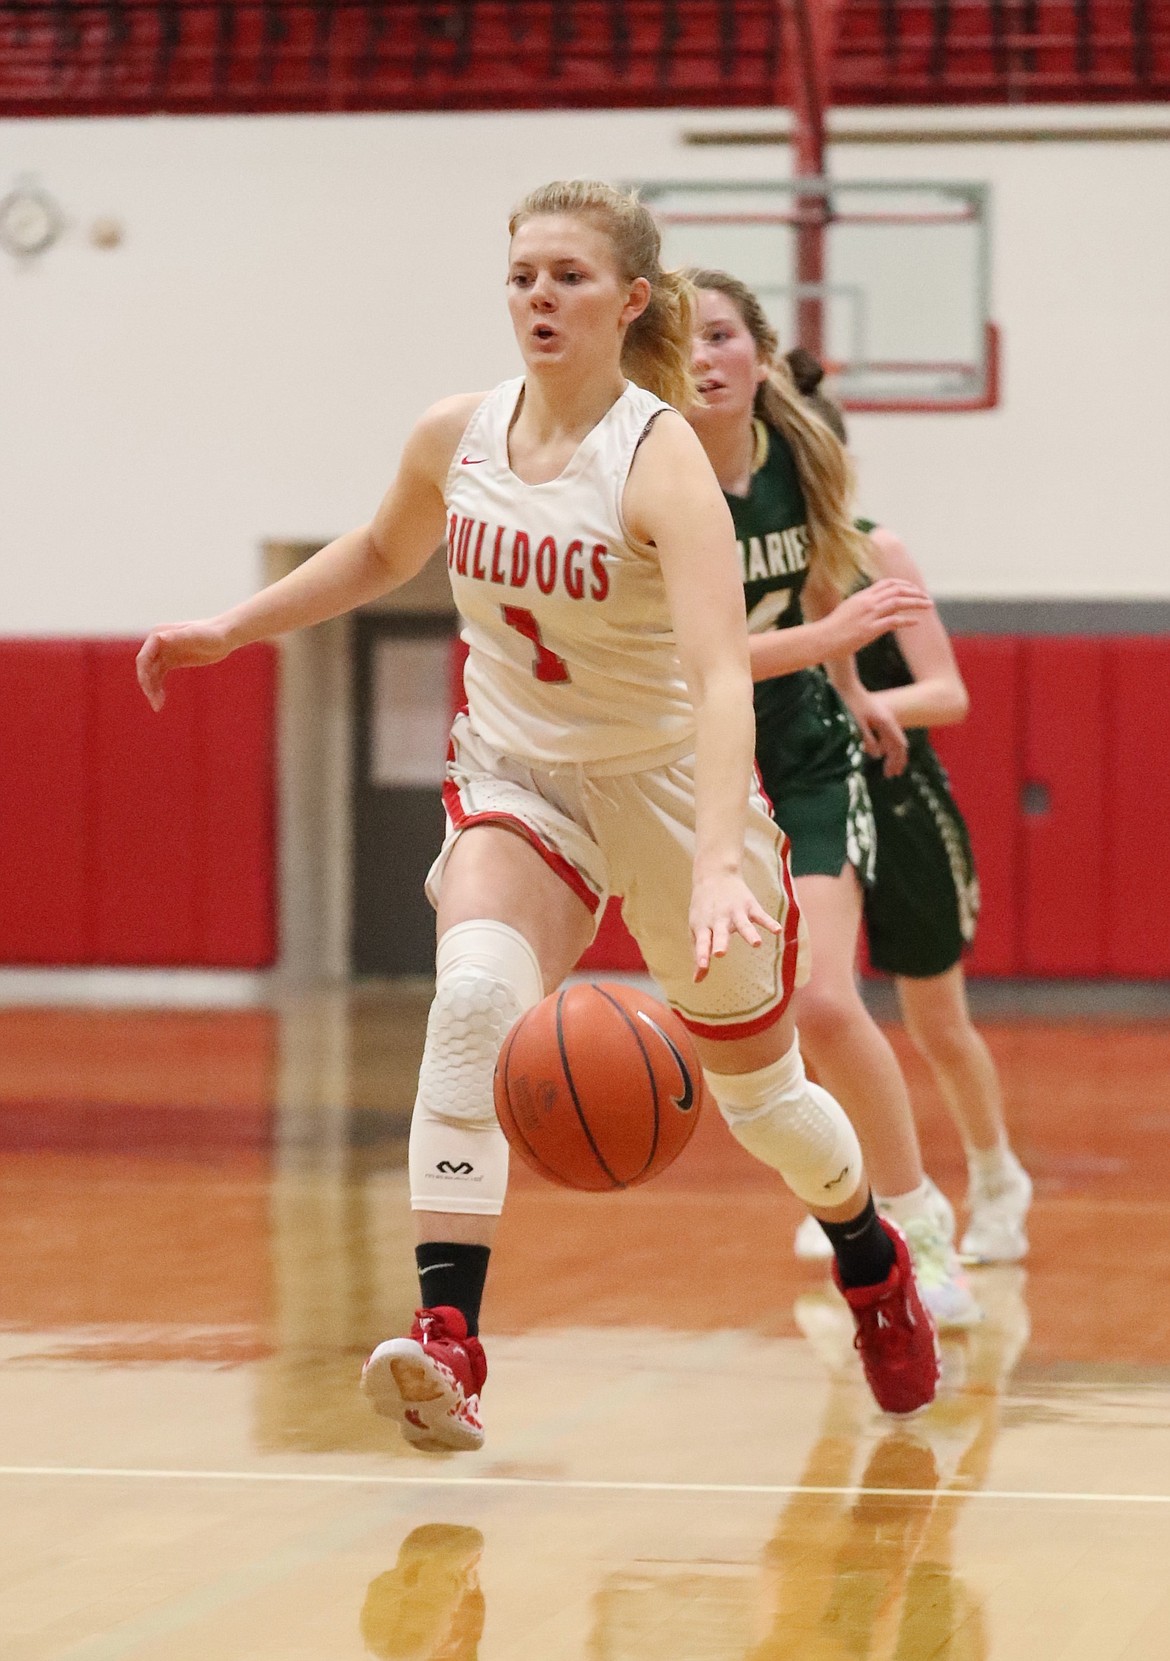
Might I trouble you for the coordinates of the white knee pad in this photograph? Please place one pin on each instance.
(486, 976)
(794, 1126)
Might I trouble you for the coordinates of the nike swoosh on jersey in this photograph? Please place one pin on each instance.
(472, 461)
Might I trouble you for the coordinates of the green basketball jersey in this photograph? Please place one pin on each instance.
(806, 745)
(772, 543)
(882, 665)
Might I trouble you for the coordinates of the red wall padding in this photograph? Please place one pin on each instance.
(236, 906)
(1063, 866)
(144, 822)
(45, 790)
(134, 838)
(982, 757)
(130, 838)
(1137, 795)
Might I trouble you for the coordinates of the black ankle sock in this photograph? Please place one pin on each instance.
(453, 1275)
(863, 1249)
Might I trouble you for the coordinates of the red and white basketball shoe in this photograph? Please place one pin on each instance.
(431, 1382)
(896, 1336)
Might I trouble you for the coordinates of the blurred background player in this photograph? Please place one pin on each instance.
(607, 745)
(787, 481)
(922, 906)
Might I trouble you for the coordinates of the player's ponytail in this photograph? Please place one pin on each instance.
(657, 353)
(808, 372)
(826, 475)
(657, 350)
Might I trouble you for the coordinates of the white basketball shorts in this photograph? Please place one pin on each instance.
(633, 835)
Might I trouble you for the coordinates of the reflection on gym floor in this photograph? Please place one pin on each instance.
(429, 1605)
(860, 1562)
(204, 1228)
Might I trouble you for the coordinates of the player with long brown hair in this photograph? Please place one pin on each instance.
(922, 907)
(787, 481)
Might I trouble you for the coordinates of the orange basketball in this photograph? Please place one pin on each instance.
(598, 1087)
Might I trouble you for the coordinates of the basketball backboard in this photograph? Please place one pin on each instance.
(889, 282)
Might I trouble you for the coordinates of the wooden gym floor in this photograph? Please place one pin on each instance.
(204, 1228)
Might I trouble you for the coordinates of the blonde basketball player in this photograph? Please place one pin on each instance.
(607, 747)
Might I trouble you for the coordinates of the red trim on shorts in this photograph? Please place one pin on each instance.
(736, 1029)
(761, 789)
(569, 874)
(789, 954)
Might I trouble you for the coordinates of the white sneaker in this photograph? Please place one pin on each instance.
(944, 1287)
(942, 1212)
(995, 1229)
(811, 1243)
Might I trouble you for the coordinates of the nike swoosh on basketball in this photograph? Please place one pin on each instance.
(686, 1101)
(472, 461)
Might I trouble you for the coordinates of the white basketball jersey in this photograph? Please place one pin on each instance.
(572, 656)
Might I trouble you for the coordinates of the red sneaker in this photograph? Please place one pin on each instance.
(430, 1382)
(896, 1335)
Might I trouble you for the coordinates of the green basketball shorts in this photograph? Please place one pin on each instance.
(810, 760)
(921, 909)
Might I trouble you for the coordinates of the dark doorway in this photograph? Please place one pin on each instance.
(402, 713)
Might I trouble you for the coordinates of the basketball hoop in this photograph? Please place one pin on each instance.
(887, 281)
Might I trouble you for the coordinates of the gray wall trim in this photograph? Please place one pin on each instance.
(1056, 616)
(1004, 133)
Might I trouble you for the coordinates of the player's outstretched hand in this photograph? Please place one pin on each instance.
(721, 906)
(177, 646)
(881, 733)
(889, 604)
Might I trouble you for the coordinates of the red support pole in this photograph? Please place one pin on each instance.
(809, 37)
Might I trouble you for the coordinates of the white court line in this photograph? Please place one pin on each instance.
(581, 1484)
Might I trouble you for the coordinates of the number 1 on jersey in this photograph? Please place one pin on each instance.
(548, 666)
